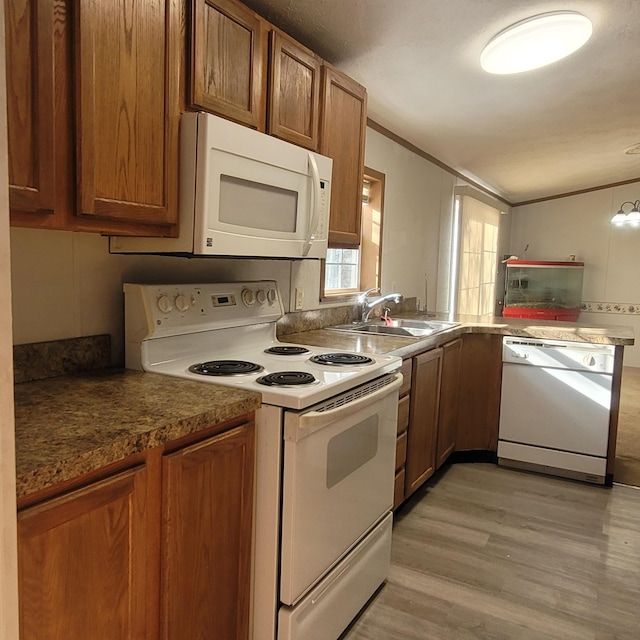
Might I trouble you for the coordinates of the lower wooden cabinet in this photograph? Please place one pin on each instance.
(449, 395)
(160, 550)
(84, 563)
(206, 541)
(427, 416)
(423, 419)
(403, 423)
(479, 392)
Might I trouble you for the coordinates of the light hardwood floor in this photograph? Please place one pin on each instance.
(627, 467)
(488, 552)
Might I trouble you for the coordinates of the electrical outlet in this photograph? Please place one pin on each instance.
(299, 298)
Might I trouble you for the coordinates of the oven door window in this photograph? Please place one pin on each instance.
(351, 449)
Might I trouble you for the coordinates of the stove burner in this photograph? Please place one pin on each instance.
(286, 351)
(341, 359)
(225, 368)
(287, 379)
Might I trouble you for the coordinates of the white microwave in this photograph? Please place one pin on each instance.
(244, 193)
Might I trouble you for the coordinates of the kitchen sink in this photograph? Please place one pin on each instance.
(399, 327)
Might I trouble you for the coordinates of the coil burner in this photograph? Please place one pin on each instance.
(286, 350)
(287, 379)
(225, 368)
(341, 359)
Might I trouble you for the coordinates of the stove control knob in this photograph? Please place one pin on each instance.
(164, 303)
(181, 302)
(248, 297)
(272, 296)
(261, 296)
(589, 361)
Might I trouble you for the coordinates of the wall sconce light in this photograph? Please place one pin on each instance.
(631, 219)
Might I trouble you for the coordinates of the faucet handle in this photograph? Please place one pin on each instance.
(363, 296)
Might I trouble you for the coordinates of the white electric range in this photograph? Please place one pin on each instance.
(325, 445)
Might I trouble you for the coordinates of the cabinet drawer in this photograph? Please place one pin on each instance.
(403, 414)
(398, 490)
(405, 370)
(401, 450)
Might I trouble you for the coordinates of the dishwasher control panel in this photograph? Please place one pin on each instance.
(557, 354)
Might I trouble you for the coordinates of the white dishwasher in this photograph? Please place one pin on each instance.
(555, 407)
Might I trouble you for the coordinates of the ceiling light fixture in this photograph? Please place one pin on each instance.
(631, 219)
(536, 42)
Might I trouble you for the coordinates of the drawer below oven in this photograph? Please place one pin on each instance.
(334, 602)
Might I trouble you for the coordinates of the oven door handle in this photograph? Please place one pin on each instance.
(307, 423)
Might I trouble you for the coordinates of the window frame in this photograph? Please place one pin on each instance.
(376, 192)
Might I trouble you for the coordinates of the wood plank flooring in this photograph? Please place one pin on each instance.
(627, 467)
(488, 552)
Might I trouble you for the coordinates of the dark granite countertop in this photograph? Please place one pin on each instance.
(407, 346)
(70, 425)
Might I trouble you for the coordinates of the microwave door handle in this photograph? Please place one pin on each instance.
(313, 226)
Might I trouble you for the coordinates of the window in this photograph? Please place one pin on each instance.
(342, 270)
(476, 257)
(347, 271)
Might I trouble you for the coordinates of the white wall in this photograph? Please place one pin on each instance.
(580, 225)
(68, 284)
(418, 194)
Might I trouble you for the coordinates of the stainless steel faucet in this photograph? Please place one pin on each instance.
(367, 304)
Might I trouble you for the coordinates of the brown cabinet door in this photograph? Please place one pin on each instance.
(294, 92)
(127, 110)
(29, 31)
(479, 392)
(448, 415)
(423, 419)
(342, 135)
(206, 541)
(84, 561)
(229, 61)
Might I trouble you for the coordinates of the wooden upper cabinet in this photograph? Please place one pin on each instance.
(294, 92)
(84, 562)
(29, 31)
(342, 137)
(127, 65)
(229, 61)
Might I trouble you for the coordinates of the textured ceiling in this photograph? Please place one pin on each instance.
(553, 130)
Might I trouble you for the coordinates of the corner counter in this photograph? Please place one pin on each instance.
(406, 347)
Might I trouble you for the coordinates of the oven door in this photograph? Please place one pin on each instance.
(339, 462)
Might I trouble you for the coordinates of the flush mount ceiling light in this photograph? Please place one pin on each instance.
(536, 42)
